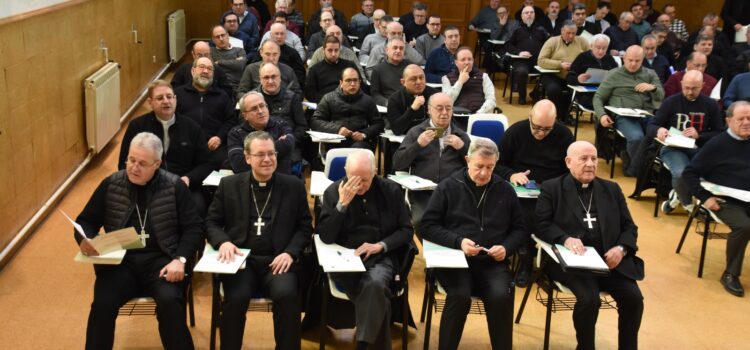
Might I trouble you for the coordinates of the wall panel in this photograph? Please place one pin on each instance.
(45, 57)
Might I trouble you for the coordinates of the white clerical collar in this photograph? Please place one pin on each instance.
(168, 122)
(735, 136)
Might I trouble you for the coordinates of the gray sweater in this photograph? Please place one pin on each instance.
(618, 90)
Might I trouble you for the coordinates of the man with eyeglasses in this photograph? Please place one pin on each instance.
(208, 106)
(695, 61)
(407, 107)
(248, 23)
(257, 118)
(291, 39)
(184, 74)
(186, 152)
(265, 211)
(532, 152)
(414, 29)
(338, 17)
(287, 54)
(223, 54)
(431, 40)
(250, 45)
(286, 105)
(362, 22)
(269, 53)
(434, 150)
(323, 77)
(316, 39)
(349, 112)
(156, 203)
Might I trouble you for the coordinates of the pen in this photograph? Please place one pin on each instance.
(482, 248)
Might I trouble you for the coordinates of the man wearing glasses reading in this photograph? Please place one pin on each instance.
(533, 151)
(257, 118)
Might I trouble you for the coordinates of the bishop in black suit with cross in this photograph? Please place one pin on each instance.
(578, 210)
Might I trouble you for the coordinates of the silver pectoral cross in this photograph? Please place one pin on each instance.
(143, 237)
(589, 220)
(259, 224)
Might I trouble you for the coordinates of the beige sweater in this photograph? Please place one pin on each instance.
(554, 52)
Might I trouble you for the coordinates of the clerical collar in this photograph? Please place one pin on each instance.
(582, 186)
(168, 122)
(434, 37)
(735, 136)
(261, 184)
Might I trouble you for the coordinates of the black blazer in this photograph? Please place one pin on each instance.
(228, 218)
(557, 217)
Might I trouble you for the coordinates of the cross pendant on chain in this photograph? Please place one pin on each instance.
(259, 224)
(589, 220)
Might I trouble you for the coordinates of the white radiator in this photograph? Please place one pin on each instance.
(177, 39)
(102, 91)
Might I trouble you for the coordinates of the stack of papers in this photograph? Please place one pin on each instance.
(597, 75)
(523, 192)
(335, 258)
(676, 139)
(210, 261)
(726, 191)
(589, 262)
(318, 136)
(318, 183)
(215, 177)
(111, 246)
(628, 112)
(437, 256)
(413, 182)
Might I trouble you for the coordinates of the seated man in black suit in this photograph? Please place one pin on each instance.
(476, 211)
(365, 212)
(276, 227)
(579, 210)
(407, 107)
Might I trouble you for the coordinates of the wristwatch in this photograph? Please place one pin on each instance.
(182, 259)
(622, 249)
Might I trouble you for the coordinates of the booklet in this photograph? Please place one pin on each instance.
(210, 261)
(676, 139)
(413, 182)
(437, 256)
(523, 192)
(335, 258)
(628, 112)
(589, 262)
(597, 75)
(719, 190)
(121, 239)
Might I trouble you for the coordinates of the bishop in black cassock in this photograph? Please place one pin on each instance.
(577, 210)
(266, 212)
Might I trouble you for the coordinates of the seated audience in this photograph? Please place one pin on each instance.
(526, 42)
(428, 42)
(469, 88)
(441, 60)
(269, 53)
(184, 74)
(407, 107)
(323, 77)
(653, 60)
(597, 58)
(621, 36)
(386, 75)
(231, 59)
(695, 61)
(291, 38)
(361, 22)
(345, 53)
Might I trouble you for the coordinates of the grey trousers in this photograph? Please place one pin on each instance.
(736, 215)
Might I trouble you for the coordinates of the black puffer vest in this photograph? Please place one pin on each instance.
(162, 208)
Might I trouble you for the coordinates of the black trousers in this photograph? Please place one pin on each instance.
(736, 215)
(491, 281)
(137, 275)
(521, 69)
(556, 90)
(526, 251)
(282, 289)
(418, 200)
(586, 288)
(370, 293)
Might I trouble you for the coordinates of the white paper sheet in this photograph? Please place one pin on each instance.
(325, 137)
(597, 75)
(726, 191)
(590, 259)
(413, 182)
(318, 183)
(628, 112)
(209, 262)
(335, 258)
(111, 258)
(437, 256)
(215, 177)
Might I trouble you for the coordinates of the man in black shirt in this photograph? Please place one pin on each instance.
(323, 77)
(526, 42)
(533, 150)
(407, 106)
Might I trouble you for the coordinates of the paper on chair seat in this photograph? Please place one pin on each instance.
(318, 183)
(318, 136)
(437, 256)
(335, 258)
(210, 261)
(413, 182)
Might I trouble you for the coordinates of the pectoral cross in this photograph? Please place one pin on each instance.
(589, 220)
(259, 224)
(143, 237)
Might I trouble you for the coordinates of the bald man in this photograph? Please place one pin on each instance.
(287, 54)
(696, 116)
(532, 152)
(184, 74)
(407, 107)
(581, 211)
(695, 61)
(377, 54)
(629, 86)
(291, 39)
(365, 212)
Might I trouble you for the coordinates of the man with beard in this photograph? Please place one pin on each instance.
(323, 77)
(269, 53)
(184, 74)
(526, 41)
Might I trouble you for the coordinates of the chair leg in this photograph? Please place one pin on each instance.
(505, 85)
(614, 156)
(534, 277)
(323, 312)
(191, 304)
(548, 321)
(423, 313)
(430, 305)
(706, 232)
(657, 199)
(215, 312)
(687, 228)
(405, 318)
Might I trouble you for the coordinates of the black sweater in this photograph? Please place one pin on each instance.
(520, 151)
(585, 61)
(526, 38)
(213, 109)
(724, 161)
(400, 115)
(677, 111)
(324, 77)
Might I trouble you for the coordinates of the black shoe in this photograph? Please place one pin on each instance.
(732, 284)
(522, 277)
(522, 99)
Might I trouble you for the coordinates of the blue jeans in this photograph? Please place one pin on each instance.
(676, 160)
(633, 130)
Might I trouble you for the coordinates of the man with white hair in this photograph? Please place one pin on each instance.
(287, 54)
(581, 211)
(360, 23)
(291, 38)
(597, 57)
(478, 212)
(367, 213)
(377, 55)
(373, 40)
(133, 197)
(621, 35)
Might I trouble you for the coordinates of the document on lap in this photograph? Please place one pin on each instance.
(335, 258)
(676, 139)
(437, 256)
(210, 261)
(719, 190)
(628, 112)
(589, 262)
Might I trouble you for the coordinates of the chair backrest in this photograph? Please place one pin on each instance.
(335, 161)
(491, 126)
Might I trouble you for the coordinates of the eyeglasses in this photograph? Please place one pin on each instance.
(256, 109)
(539, 129)
(448, 109)
(131, 162)
(262, 156)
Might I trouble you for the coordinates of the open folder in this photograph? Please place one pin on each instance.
(589, 262)
(111, 246)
